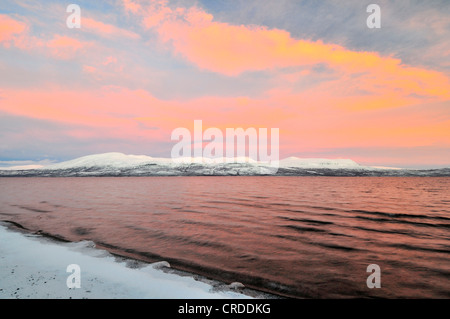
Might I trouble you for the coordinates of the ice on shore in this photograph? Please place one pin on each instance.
(33, 266)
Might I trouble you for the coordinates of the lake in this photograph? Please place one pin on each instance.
(301, 237)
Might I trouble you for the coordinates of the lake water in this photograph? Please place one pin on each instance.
(303, 237)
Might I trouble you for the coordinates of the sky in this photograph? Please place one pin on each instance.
(136, 70)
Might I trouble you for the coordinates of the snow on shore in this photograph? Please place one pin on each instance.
(34, 267)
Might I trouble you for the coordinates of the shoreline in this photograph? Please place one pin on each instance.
(33, 266)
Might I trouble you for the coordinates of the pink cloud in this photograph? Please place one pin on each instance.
(10, 29)
(132, 6)
(64, 47)
(108, 30)
(110, 60)
(89, 69)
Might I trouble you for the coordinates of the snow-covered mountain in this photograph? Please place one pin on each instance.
(114, 160)
(118, 164)
(320, 163)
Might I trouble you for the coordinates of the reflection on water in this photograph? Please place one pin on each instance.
(297, 236)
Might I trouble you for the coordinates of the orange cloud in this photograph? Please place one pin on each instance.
(232, 50)
(125, 113)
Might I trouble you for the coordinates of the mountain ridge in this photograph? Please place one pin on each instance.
(119, 164)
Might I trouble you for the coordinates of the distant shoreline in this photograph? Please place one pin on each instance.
(445, 172)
